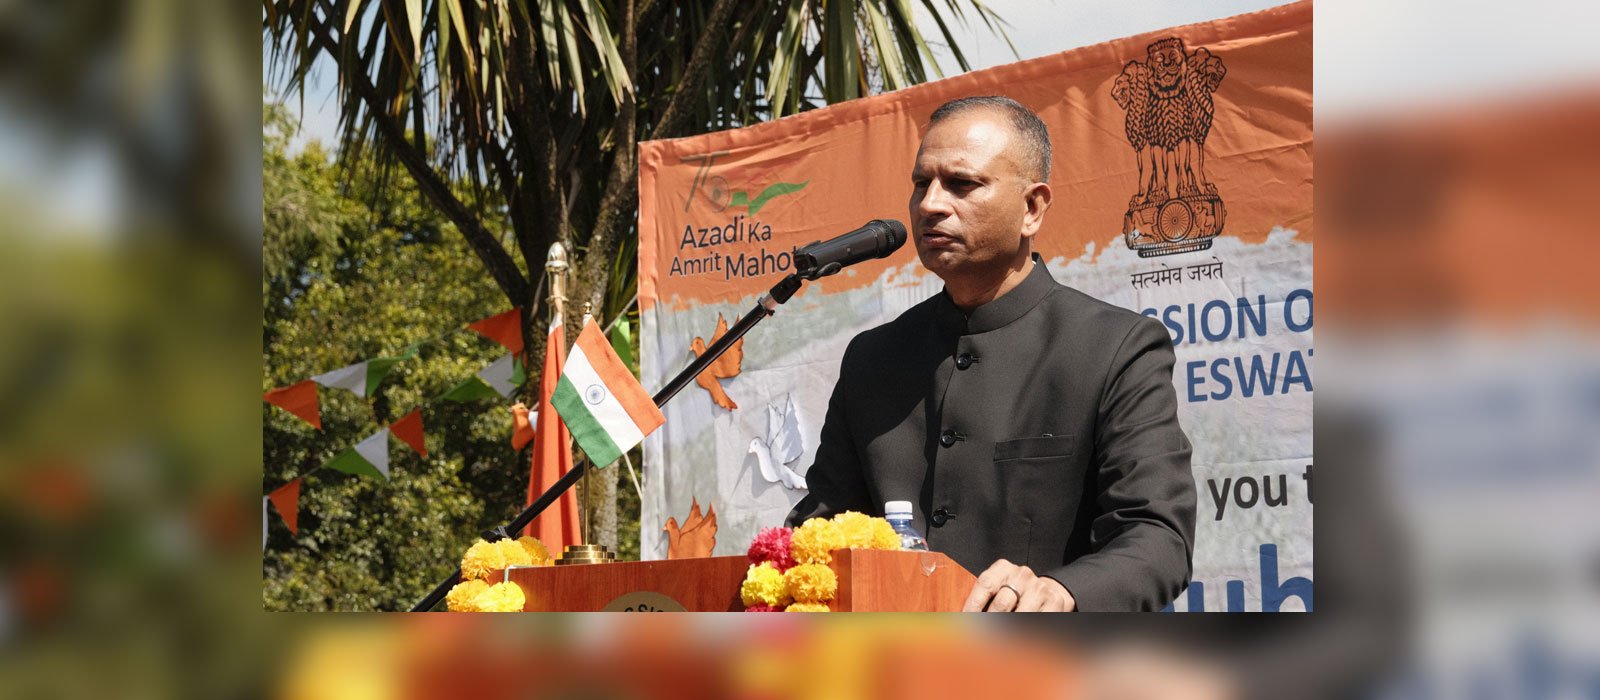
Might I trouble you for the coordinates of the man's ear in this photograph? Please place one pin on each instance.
(1037, 199)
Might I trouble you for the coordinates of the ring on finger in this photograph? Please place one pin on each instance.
(1015, 592)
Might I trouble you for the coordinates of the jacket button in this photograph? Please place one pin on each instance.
(948, 438)
(964, 360)
(939, 517)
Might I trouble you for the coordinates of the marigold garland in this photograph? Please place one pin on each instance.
(764, 585)
(484, 558)
(474, 594)
(814, 541)
(480, 559)
(514, 553)
(811, 583)
(501, 597)
(807, 607)
(855, 529)
(884, 537)
(802, 570)
(461, 597)
(536, 550)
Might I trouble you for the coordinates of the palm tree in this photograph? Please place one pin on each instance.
(538, 106)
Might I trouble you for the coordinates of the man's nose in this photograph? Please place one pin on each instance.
(935, 201)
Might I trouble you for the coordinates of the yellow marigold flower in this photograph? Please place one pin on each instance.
(514, 553)
(811, 583)
(480, 559)
(538, 552)
(807, 607)
(883, 536)
(461, 598)
(814, 541)
(501, 597)
(764, 584)
(855, 529)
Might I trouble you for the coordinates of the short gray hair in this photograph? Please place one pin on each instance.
(1035, 137)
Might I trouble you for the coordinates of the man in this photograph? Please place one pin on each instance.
(1034, 428)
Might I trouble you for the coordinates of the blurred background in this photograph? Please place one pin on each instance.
(1458, 548)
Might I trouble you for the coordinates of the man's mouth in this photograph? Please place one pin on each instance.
(937, 239)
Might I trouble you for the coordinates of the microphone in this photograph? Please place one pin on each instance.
(878, 239)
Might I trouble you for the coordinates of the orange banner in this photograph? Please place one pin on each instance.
(719, 213)
(1182, 180)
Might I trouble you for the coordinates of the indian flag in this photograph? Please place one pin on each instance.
(602, 404)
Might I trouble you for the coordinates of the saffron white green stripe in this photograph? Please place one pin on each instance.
(597, 420)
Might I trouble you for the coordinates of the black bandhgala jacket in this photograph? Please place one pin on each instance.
(1041, 429)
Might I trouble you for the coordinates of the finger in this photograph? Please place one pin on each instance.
(1034, 598)
(1009, 593)
(983, 589)
(988, 582)
(1005, 599)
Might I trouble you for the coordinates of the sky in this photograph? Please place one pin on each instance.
(1371, 56)
(1036, 27)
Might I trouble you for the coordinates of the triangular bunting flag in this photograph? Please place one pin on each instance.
(370, 457)
(286, 499)
(352, 379)
(497, 380)
(471, 390)
(362, 378)
(409, 430)
(521, 426)
(375, 449)
(299, 399)
(504, 328)
(501, 375)
(378, 367)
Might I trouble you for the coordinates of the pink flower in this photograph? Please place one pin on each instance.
(772, 545)
(763, 608)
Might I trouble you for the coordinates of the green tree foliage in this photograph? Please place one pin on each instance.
(345, 282)
(538, 108)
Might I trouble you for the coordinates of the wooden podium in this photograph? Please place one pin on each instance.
(869, 581)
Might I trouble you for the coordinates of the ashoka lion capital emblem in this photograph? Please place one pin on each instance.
(1169, 110)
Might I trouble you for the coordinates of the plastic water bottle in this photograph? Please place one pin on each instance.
(898, 513)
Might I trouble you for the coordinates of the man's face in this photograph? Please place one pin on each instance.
(968, 203)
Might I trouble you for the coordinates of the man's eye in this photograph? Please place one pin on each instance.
(960, 184)
(919, 183)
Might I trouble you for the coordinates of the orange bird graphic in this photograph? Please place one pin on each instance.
(725, 367)
(696, 538)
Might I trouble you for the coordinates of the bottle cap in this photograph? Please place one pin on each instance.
(897, 508)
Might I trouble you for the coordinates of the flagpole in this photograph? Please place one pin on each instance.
(555, 267)
(585, 528)
(766, 306)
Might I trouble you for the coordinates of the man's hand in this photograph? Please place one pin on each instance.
(1006, 587)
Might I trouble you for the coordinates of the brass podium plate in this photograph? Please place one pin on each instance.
(643, 601)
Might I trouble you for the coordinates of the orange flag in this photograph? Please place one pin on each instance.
(286, 499)
(409, 429)
(299, 399)
(521, 427)
(503, 328)
(557, 526)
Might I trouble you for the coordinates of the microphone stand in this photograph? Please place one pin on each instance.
(766, 306)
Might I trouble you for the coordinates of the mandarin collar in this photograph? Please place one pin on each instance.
(1000, 312)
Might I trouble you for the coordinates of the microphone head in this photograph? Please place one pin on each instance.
(894, 236)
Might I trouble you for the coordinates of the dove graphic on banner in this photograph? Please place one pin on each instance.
(724, 367)
(781, 446)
